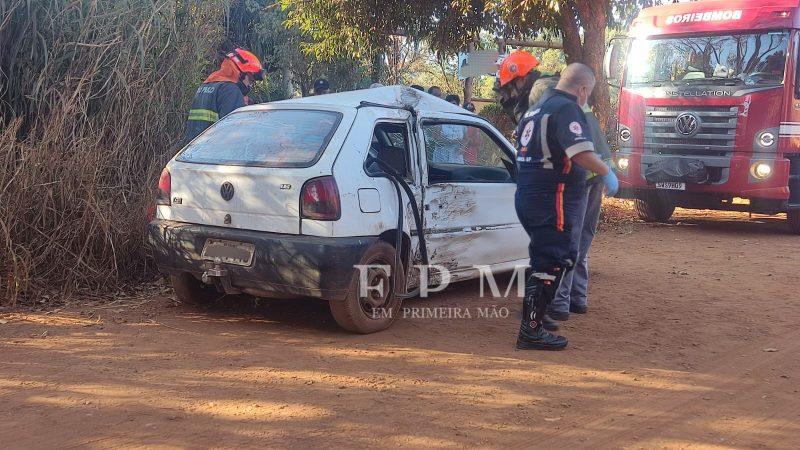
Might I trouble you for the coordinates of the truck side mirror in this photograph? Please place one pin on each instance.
(614, 60)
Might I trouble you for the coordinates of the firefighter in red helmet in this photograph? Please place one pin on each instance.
(515, 78)
(223, 91)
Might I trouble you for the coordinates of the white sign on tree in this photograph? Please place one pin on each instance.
(477, 63)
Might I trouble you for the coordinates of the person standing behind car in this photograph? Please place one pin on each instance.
(436, 91)
(223, 91)
(322, 87)
(553, 153)
(572, 293)
(473, 141)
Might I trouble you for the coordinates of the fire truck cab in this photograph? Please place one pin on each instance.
(709, 108)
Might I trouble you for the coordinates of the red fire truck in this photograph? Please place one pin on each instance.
(709, 108)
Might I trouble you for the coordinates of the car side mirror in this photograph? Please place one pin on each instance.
(614, 60)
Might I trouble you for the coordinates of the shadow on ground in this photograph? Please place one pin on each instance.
(675, 352)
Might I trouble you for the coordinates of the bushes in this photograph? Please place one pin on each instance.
(494, 113)
(93, 96)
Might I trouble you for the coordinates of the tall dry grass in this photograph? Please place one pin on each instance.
(93, 95)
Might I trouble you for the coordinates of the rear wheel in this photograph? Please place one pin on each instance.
(793, 220)
(189, 289)
(377, 310)
(653, 207)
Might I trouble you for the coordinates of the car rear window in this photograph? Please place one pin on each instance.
(272, 138)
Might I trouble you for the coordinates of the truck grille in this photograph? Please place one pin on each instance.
(715, 138)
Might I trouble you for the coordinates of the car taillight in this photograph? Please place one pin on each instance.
(319, 199)
(164, 188)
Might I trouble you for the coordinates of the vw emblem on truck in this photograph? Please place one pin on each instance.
(226, 191)
(687, 124)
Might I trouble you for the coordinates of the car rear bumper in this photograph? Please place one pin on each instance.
(283, 265)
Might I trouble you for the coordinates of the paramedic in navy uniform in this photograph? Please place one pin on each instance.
(554, 150)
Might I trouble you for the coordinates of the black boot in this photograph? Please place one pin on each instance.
(549, 323)
(532, 335)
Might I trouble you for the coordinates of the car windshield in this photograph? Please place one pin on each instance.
(749, 59)
(271, 138)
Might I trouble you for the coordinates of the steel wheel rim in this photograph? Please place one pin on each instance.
(374, 300)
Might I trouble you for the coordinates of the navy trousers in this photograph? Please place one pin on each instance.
(549, 216)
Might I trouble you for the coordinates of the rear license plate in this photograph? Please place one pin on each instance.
(238, 253)
(672, 185)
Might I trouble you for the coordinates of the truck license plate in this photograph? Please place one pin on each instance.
(237, 253)
(672, 185)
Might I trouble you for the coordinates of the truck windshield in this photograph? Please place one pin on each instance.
(271, 138)
(749, 59)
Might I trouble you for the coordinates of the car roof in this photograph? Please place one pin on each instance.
(395, 96)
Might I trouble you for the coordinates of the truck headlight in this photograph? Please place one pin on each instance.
(623, 163)
(766, 139)
(761, 170)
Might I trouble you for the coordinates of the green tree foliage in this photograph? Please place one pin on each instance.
(435, 71)
(365, 27)
(260, 25)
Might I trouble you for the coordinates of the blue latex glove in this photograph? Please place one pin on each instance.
(611, 182)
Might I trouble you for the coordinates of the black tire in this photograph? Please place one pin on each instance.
(654, 207)
(374, 312)
(190, 290)
(793, 220)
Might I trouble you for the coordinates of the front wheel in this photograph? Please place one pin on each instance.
(653, 207)
(793, 220)
(378, 309)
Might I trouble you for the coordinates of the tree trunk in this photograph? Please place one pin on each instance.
(570, 34)
(376, 69)
(287, 81)
(592, 14)
(469, 82)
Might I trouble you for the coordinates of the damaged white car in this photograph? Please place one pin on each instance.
(300, 198)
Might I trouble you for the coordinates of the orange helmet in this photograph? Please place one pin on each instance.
(516, 65)
(247, 62)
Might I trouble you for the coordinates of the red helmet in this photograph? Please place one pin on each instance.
(516, 65)
(247, 62)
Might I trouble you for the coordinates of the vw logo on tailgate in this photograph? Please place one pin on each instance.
(226, 191)
(687, 124)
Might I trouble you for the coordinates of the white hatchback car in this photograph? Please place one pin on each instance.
(286, 199)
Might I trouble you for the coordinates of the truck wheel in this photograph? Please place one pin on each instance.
(377, 310)
(793, 220)
(653, 207)
(190, 290)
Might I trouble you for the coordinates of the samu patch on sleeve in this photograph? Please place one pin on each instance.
(576, 128)
(527, 133)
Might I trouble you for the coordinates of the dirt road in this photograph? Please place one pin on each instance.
(692, 340)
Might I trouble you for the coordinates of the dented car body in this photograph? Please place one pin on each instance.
(284, 199)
